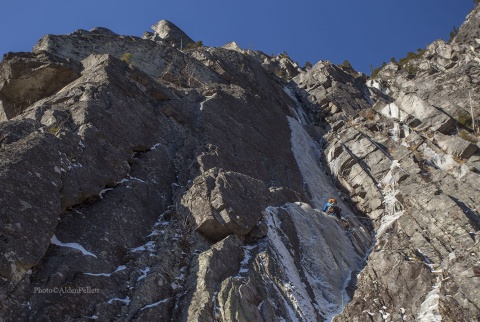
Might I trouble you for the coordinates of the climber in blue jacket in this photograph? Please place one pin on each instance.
(330, 202)
(332, 208)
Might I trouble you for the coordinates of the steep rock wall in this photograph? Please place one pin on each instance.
(170, 185)
(153, 183)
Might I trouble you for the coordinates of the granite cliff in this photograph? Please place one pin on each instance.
(158, 179)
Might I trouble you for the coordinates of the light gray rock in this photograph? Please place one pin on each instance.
(170, 33)
(426, 113)
(469, 31)
(455, 145)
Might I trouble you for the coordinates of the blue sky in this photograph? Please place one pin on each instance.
(365, 32)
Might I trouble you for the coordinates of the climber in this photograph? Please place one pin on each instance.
(332, 208)
(329, 202)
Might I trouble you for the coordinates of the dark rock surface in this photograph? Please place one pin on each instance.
(142, 180)
(26, 78)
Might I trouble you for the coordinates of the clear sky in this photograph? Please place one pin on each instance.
(365, 32)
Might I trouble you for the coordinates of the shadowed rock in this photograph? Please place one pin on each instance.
(26, 78)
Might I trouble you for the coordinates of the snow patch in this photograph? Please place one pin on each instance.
(136, 179)
(99, 274)
(103, 192)
(155, 304)
(119, 268)
(375, 84)
(128, 179)
(144, 273)
(76, 246)
(150, 246)
(93, 317)
(155, 146)
(125, 300)
(175, 285)
(207, 98)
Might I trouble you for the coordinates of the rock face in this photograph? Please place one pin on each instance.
(143, 182)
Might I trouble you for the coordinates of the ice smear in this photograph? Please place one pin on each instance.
(161, 221)
(246, 259)
(329, 276)
(328, 258)
(298, 110)
(445, 162)
(395, 132)
(393, 208)
(327, 262)
(76, 246)
(128, 178)
(429, 310)
(293, 284)
(307, 154)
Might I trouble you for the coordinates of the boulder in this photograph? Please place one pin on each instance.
(225, 202)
